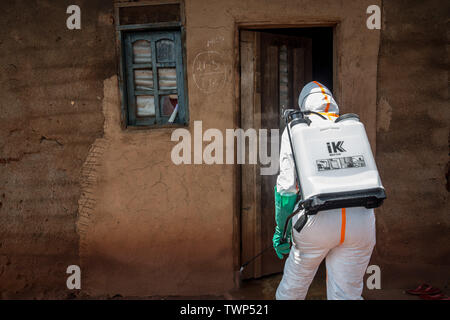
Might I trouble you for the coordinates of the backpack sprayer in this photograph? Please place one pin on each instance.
(334, 165)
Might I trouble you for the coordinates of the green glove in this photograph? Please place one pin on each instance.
(284, 205)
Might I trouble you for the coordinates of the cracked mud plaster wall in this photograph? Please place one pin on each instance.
(51, 87)
(151, 227)
(160, 229)
(413, 142)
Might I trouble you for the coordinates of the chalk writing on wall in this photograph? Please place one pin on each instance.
(209, 71)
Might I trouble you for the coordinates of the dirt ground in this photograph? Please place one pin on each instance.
(264, 289)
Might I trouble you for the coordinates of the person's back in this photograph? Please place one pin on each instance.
(345, 237)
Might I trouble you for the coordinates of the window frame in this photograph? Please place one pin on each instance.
(126, 83)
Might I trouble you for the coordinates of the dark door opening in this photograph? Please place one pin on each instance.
(275, 65)
(321, 50)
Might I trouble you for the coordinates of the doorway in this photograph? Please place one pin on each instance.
(275, 64)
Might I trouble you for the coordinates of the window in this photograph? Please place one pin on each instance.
(153, 73)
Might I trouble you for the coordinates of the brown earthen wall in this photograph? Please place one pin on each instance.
(161, 229)
(413, 142)
(77, 189)
(51, 90)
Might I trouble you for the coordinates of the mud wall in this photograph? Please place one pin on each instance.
(51, 88)
(154, 228)
(413, 143)
(77, 189)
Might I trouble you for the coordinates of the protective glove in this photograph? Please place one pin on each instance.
(284, 206)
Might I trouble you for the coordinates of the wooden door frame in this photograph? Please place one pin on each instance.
(237, 177)
(251, 118)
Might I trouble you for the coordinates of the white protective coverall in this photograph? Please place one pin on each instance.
(345, 237)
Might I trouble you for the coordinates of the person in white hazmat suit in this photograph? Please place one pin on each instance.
(344, 237)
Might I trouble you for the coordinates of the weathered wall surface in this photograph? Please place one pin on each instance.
(156, 228)
(160, 229)
(51, 87)
(77, 189)
(413, 142)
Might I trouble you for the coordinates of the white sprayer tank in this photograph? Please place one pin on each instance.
(335, 164)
